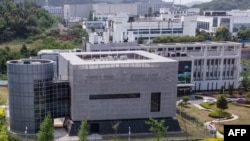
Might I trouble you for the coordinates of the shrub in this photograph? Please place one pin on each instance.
(219, 114)
(207, 105)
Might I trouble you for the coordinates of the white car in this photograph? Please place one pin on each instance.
(210, 100)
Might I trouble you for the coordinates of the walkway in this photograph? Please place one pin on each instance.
(210, 126)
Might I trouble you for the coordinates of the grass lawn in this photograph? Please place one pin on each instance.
(201, 115)
(16, 44)
(3, 95)
(242, 112)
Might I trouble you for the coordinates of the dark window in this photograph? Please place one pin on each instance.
(114, 96)
(94, 128)
(208, 62)
(155, 102)
(199, 62)
(197, 48)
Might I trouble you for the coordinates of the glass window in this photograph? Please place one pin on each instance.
(114, 96)
(155, 102)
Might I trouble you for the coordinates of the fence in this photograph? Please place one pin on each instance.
(199, 124)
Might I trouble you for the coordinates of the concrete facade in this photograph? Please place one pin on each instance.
(96, 79)
(119, 77)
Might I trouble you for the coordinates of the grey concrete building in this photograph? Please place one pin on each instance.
(103, 87)
(128, 87)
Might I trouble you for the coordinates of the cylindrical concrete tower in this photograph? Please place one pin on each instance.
(28, 80)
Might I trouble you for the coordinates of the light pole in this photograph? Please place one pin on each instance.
(25, 132)
(129, 133)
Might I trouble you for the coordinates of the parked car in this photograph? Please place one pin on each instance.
(230, 99)
(210, 100)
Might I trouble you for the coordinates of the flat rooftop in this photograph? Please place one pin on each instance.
(116, 57)
(56, 51)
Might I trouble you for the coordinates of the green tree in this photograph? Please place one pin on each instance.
(222, 90)
(83, 131)
(246, 80)
(19, 22)
(92, 29)
(222, 34)
(231, 89)
(221, 103)
(140, 40)
(185, 99)
(46, 132)
(248, 95)
(90, 17)
(157, 127)
(115, 128)
(24, 51)
(3, 126)
(244, 34)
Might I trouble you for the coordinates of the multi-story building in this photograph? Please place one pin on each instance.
(54, 10)
(202, 65)
(122, 27)
(234, 20)
(139, 8)
(102, 87)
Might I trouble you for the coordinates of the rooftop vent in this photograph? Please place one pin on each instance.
(26, 61)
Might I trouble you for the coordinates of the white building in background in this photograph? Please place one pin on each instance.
(104, 8)
(83, 10)
(234, 20)
(176, 12)
(150, 27)
(77, 10)
(203, 66)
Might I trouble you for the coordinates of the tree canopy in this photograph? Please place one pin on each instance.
(177, 39)
(222, 34)
(244, 34)
(222, 103)
(157, 127)
(83, 131)
(224, 5)
(46, 132)
(19, 20)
